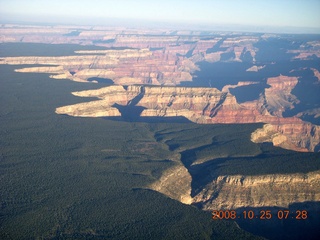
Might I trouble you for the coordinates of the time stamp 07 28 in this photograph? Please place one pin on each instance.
(262, 214)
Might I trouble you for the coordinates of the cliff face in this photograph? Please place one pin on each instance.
(101, 108)
(205, 181)
(231, 192)
(199, 105)
(278, 97)
(164, 59)
(237, 191)
(122, 66)
(298, 136)
(141, 57)
(175, 183)
(168, 58)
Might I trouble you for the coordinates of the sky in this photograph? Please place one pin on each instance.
(274, 13)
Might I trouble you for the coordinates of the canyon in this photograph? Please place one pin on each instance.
(151, 70)
(170, 59)
(199, 105)
(238, 191)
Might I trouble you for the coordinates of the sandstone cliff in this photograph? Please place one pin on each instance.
(141, 56)
(205, 186)
(298, 136)
(278, 97)
(175, 183)
(163, 57)
(200, 105)
(101, 108)
(231, 192)
(238, 191)
(139, 66)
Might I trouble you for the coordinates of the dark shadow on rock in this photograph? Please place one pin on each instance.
(137, 98)
(150, 119)
(129, 113)
(219, 74)
(307, 91)
(106, 81)
(272, 160)
(249, 92)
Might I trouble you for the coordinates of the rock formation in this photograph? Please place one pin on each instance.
(175, 183)
(255, 68)
(301, 136)
(166, 58)
(200, 105)
(232, 192)
(122, 66)
(147, 67)
(278, 97)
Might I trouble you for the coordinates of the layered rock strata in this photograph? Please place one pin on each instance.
(278, 97)
(298, 136)
(175, 183)
(166, 57)
(122, 66)
(199, 105)
(232, 192)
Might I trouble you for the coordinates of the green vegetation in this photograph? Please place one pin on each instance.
(209, 151)
(199, 143)
(77, 178)
(227, 150)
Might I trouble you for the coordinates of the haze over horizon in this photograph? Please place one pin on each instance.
(286, 16)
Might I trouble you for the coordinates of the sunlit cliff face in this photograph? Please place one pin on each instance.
(236, 191)
(171, 58)
(159, 74)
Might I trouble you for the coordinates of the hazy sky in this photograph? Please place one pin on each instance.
(294, 13)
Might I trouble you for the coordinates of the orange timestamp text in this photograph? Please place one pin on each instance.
(262, 214)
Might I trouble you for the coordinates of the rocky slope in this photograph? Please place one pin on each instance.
(301, 136)
(200, 105)
(122, 66)
(278, 97)
(137, 59)
(175, 183)
(231, 192)
(168, 58)
(237, 191)
(202, 183)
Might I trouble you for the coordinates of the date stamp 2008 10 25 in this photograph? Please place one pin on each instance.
(262, 214)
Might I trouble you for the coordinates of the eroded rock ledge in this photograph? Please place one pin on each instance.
(199, 105)
(128, 66)
(289, 136)
(237, 191)
(231, 192)
(168, 60)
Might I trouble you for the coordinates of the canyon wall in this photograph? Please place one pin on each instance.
(301, 136)
(199, 105)
(169, 58)
(232, 192)
(122, 66)
(237, 191)
(148, 65)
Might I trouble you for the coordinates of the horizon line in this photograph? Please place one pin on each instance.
(174, 25)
